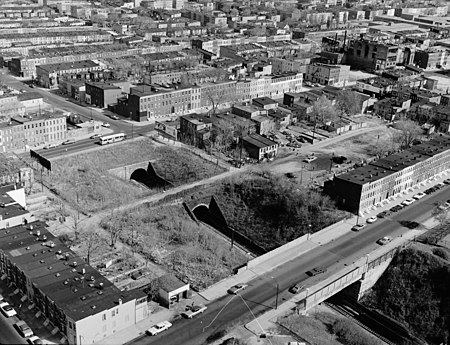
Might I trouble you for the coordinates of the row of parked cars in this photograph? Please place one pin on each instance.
(21, 326)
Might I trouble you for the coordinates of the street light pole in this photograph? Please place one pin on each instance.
(278, 289)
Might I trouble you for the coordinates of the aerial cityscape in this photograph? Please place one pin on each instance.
(249, 172)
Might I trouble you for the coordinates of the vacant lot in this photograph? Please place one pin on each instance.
(268, 210)
(83, 180)
(167, 236)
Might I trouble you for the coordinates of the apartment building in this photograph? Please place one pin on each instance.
(432, 58)
(369, 185)
(334, 75)
(195, 129)
(290, 64)
(48, 75)
(207, 17)
(10, 106)
(101, 94)
(79, 36)
(74, 297)
(378, 56)
(13, 206)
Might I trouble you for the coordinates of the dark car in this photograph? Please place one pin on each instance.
(429, 191)
(315, 271)
(384, 214)
(409, 224)
(396, 208)
(291, 175)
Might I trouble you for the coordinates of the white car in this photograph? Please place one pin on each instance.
(419, 196)
(106, 124)
(49, 146)
(234, 290)
(408, 202)
(384, 240)
(7, 309)
(193, 311)
(35, 340)
(159, 327)
(444, 206)
(371, 220)
(309, 159)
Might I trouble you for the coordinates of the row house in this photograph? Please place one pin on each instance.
(213, 44)
(74, 297)
(369, 185)
(101, 94)
(432, 58)
(25, 66)
(375, 87)
(290, 64)
(207, 17)
(80, 36)
(9, 107)
(391, 108)
(13, 203)
(22, 132)
(48, 75)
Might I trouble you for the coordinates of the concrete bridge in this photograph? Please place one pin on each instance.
(142, 172)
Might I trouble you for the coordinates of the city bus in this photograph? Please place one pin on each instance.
(109, 139)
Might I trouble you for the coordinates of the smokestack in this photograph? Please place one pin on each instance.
(345, 40)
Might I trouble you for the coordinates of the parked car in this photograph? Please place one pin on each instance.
(384, 214)
(296, 288)
(447, 181)
(114, 117)
(24, 330)
(193, 311)
(158, 328)
(444, 206)
(358, 227)
(419, 196)
(234, 290)
(440, 185)
(309, 159)
(106, 124)
(68, 141)
(408, 202)
(384, 240)
(35, 340)
(429, 191)
(315, 271)
(7, 310)
(396, 208)
(371, 220)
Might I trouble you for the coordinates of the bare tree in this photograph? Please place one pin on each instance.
(408, 132)
(91, 241)
(350, 102)
(324, 110)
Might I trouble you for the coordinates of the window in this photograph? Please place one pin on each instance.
(104, 317)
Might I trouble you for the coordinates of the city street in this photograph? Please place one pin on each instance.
(261, 294)
(8, 334)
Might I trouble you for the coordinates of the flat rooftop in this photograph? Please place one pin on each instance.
(75, 287)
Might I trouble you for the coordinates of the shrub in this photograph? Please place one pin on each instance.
(442, 253)
(350, 334)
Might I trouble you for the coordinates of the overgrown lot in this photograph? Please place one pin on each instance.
(414, 290)
(167, 236)
(84, 180)
(270, 211)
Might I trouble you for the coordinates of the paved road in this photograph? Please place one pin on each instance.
(8, 334)
(85, 144)
(260, 295)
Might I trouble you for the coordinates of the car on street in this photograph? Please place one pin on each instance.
(429, 191)
(384, 240)
(95, 136)
(447, 181)
(49, 146)
(315, 271)
(35, 340)
(408, 202)
(24, 330)
(396, 208)
(193, 311)
(7, 310)
(31, 85)
(68, 141)
(444, 206)
(419, 196)
(309, 159)
(158, 328)
(440, 185)
(234, 290)
(410, 224)
(114, 117)
(291, 175)
(383, 214)
(371, 220)
(106, 124)
(358, 227)
(296, 288)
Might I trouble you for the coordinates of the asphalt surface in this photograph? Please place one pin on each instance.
(8, 334)
(261, 293)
